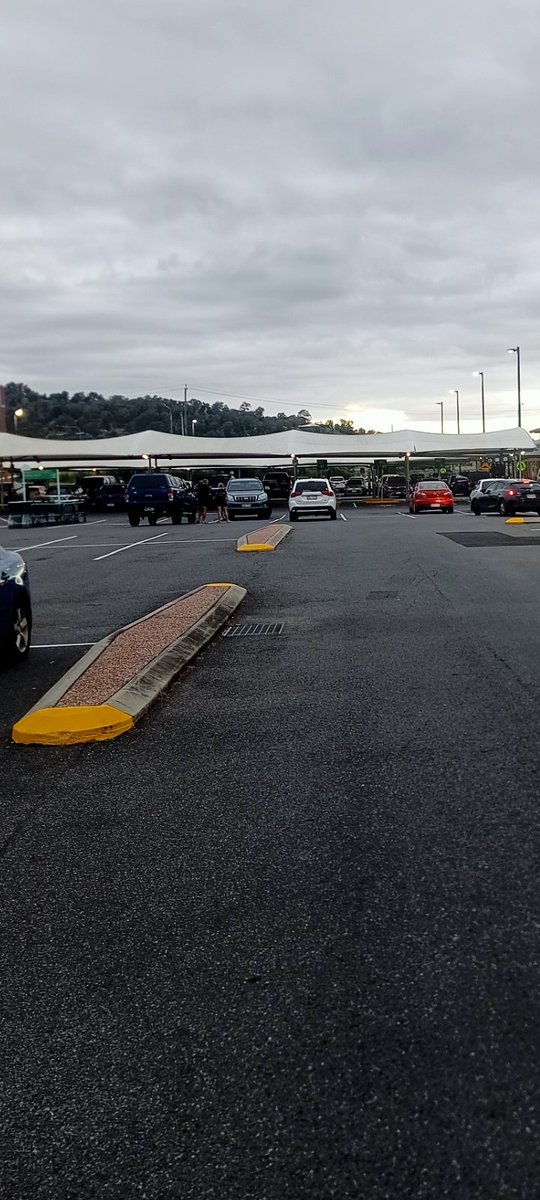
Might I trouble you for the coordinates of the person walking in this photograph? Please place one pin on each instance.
(221, 497)
(203, 500)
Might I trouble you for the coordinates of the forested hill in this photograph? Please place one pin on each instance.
(90, 415)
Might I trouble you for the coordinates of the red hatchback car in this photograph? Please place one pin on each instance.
(431, 494)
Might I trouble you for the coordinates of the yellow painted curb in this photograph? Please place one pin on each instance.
(67, 726)
(515, 521)
(252, 546)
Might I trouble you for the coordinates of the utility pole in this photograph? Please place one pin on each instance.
(184, 411)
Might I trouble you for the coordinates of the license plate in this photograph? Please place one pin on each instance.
(150, 510)
(434, 506)
(246, 504)
(312, 496)
(109, 505)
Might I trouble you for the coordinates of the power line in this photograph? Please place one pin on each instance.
(262, 399)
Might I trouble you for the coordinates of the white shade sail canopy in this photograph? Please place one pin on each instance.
(264, 448)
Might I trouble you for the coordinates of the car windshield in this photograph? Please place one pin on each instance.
(310, 485)
(245, 485)
(148, 482)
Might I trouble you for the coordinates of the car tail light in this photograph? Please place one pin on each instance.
(294, 495)
(170, 495)
(327, 492)
(510, 492)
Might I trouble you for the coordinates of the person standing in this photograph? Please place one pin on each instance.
(221, 497)
(203, 500)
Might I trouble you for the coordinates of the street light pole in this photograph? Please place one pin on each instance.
(170, 412)
(441, 406)
(19, 412)
(193, 424)
(184, 411)
(516, 350)
(480, 374)
(454, 392)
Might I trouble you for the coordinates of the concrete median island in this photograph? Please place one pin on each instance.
(112, 685)
(263, 539)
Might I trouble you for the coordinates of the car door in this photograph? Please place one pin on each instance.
(489, 500)
(6, 595)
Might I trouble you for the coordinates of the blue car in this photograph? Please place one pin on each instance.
(15, 608)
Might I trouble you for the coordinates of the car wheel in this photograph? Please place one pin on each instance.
(191, 518)
(450, 508)
(133, 519)
(232, 516)
(293, 516)
(152, 519)
(475, 508)
(176, 518)
(332, 514)
(18, 638)
(503, 509)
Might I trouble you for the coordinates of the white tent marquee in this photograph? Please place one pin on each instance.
(151, 444)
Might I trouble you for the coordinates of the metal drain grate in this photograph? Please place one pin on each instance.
(255, 629)
(501, 540)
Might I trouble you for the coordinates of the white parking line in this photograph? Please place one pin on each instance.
(38, 545)
(409, 515)
(130, 546)
(58, 645)
(4, 519)
(342, 517)
(103, 522)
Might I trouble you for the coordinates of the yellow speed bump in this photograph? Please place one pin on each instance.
(67, 726)
(515, 521)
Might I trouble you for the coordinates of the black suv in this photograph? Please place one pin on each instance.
(507, 496)
(154, 495)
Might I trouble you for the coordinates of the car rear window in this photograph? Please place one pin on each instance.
(149, 483)
(310, 485)
(433, 485)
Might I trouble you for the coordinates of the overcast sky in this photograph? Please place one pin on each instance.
(331, 204)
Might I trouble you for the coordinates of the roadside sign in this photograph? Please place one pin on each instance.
(35, 475)
(443, 471)
(521, 466)
(485, 467)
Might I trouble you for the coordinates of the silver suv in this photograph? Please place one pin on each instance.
(245, 496)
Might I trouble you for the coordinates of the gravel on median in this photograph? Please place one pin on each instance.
(136, 647)
(256, 536)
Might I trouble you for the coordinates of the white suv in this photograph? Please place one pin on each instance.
(312, 496)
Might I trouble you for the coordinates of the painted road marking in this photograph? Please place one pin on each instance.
(38, 545)
(409, 515)
(130, 546)
(58, 645)
(342, 517)
(103, 522)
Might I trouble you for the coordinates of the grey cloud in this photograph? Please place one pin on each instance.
(328, 201)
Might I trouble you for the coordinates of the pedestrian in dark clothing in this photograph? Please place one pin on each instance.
(203, 500)
(221, 497)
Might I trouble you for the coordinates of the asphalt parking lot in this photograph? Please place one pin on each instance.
(281, 941)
